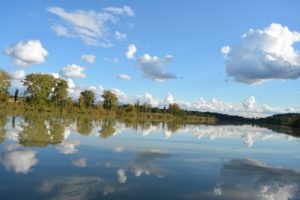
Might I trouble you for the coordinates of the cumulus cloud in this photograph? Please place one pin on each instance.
(18, 159)
(264, 55)
(73, 71)
(18, 74)
(249, 103)
(27, 53)
(89, 58)
(88, 25)
(124, 76)
(247, 108)
(131, 51)
(121, 176)
(151, 67)
(250, 179)
(120, 36)
(79, 163)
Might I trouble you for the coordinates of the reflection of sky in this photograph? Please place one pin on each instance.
(206, 159)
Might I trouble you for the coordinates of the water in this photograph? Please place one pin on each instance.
(80, 158)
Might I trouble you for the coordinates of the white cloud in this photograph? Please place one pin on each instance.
(264, 55)
(88, 58)
(88, 25)
(61, 30)
(131, 51)
(124, 76)
(18, 74)
(152, 66)
(73, 71)
(125, 10)
(169, 99)
(79, 163)
(120, 36)
(18, 159)
(249, 103)
(27, 53)
(247, 108)
(121, 176)
(68, 147)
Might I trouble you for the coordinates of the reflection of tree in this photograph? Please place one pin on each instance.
(37, 131)
(107, 128)
(173, 126)
(84, 125)
(3, 121)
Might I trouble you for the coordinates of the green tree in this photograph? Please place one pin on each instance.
(88, 98)
(60, 92)
(110, 100)
(39, 88)
(174, 108)
(5, 79)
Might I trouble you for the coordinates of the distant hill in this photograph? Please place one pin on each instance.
(289, 119)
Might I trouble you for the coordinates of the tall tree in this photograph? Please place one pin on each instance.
(88, 98)
(5, 79)
(39, 88)
(60, 92)
(110, 100)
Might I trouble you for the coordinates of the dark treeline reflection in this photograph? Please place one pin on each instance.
(41, 131)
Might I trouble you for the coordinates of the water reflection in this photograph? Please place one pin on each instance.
(247, 179)
(18, 159)
(144, 163)
(85, 158)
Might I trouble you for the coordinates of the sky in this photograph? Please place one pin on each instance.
(234, 57)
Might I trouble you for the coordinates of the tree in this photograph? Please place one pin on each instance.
(87, 98)
(39, 87)
(174, 108)
(5, 79)
(60, 92)
(16, 95)
(110, 100)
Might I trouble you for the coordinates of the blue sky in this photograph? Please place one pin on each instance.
(186, 37)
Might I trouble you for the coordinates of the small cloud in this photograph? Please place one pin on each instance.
(27, 53)
(68, 147)
(18, 74)
(88, 58)
(124, 76)
(120, 36)
(131, 51)
(79, 163)
(152, 66)
(121, 176)
(61, 30)
(73, 71)
(125, 10)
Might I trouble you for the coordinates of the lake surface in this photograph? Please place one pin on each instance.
(54, 158)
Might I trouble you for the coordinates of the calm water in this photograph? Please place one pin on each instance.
(53, 158)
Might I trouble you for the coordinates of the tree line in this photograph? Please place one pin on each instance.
(44, 90)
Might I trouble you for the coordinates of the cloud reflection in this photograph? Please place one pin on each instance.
(18, 159)
(68, 147)
(144, 163)
(246, 179)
